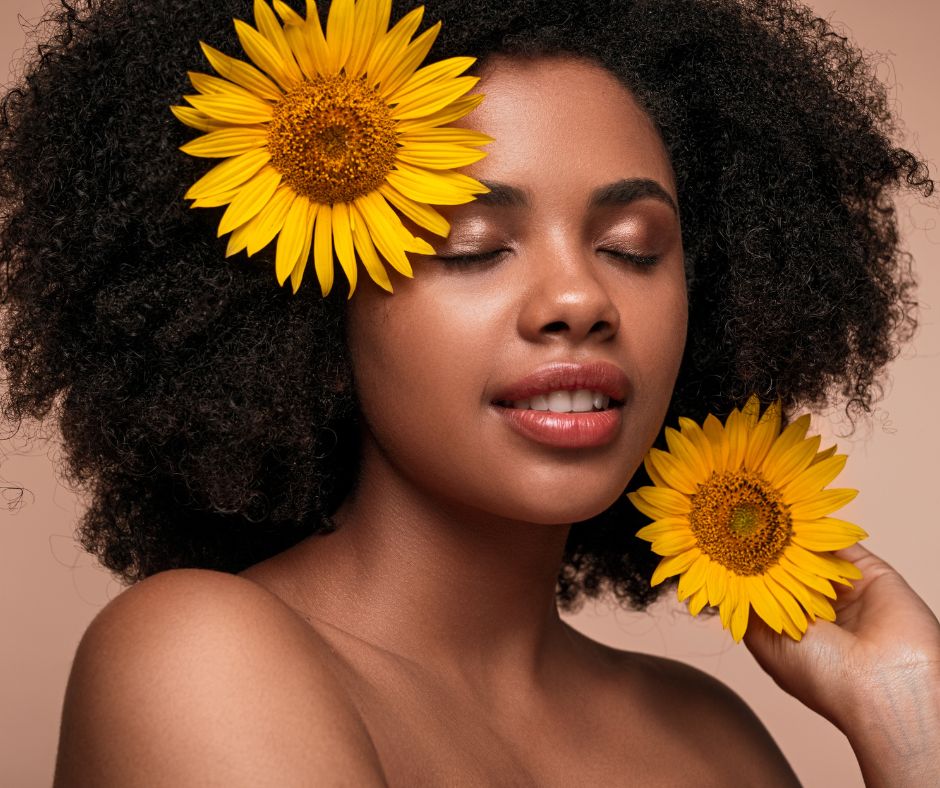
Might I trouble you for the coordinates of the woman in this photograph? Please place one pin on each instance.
(389, 539)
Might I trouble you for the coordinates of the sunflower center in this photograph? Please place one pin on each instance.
(333, 139)
(740, 521)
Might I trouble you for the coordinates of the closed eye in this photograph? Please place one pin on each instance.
(470, 259)
(644, 261)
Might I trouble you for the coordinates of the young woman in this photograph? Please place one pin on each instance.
(346, 555)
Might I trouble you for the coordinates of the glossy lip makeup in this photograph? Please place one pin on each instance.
(607, 384)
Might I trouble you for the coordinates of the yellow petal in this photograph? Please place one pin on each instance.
(673, 472)
(452, 112)
(660, 502)
(762, 437)
(288, 15)
(716, 582)
(291, 240)
(340, 28)
(825, 454)
(792, 434)
(736, 431)
(371, 23)
(423, 215)
(750, 412)
(651, 471)
(433, 98)
(428, 77)
(687, 455)
(694, 434)
(267, 24)
(821, 606)
(296, 276)
(196, 119)
(828, 566)
(323, 249)
(675, 542)
(449, 135)
(673, 565)
(441, 188)
(795, 587)
(299, 42)
(254, 195)
(822, 503)
(238, 240)
(661, 527)
(715, 432)
(240, 110)
(405, 65)
(391, 47)
(697, 601)
(742, 609)
(816, 476)
(343, 242)
(380, 220)
(242, 73)
(267, 224)
(694, 577)
(266, 56)
(808, 578)
(366, 250)
(222, 198)
(826, 534)
(730, 601)
(788, 603)
(440, 156)
(792, 463)
(763, 602)
(206, 83)
(316, 41)
(229, 174)
(226, 142)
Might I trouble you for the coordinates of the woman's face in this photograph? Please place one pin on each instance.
(572, 272)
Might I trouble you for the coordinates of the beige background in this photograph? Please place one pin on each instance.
(50, 590)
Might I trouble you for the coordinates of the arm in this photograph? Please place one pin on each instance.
(200, 678)
(874, 673)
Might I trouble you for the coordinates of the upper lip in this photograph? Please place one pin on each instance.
(599, 376)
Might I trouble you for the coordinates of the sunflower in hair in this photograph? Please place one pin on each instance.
(742, 515)
(329, 136)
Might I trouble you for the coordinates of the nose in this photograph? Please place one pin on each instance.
(566, 301)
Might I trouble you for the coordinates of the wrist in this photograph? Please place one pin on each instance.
(894, 729)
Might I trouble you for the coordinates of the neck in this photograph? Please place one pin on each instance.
(454, 589)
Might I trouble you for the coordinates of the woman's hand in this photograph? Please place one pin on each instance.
(874, 673)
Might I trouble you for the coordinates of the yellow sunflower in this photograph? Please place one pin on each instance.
(329, 135)
(742, 516)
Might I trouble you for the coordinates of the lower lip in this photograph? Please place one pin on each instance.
(564, 430)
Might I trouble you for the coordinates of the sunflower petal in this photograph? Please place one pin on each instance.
(763, 436)
(742, 609)
(792, 463)
(224, 143)
(266, 56)
(822, 503)
(267, 24)
(242, 74)
(673, 565)
(441, 188)
(296, 275)
(391, 47)
(254, 195)
(794, 586)
(715, 432)
(230, 108)
(439, 157)
(763, 602)
(827, 566)
(826, 534)
(812, 480)
(786, 600)
(717, 583)
(697, 437)
(660, 502)
(808, 578)
(452, 112)
(677, 541)
(229, 174)
(343, 242)
(694, 577)
(196, 119)
(366, 250)
(673, 472)
(687, 454)
(429, 76)
(407, 63)
(381, 225)
(269, 222)
(340, 28)
(291, 239)
(661, 527)
(434, 98)
(423, 215)
(323, 249)
(792, 434)
(697, 601)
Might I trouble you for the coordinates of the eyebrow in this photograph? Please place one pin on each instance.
(622, 192)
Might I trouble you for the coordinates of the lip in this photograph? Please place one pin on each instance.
(599, 376)
(566, 430)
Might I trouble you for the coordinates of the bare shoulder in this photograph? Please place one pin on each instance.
(680, 702)
(199, 677)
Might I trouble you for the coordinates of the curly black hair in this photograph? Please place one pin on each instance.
(209, 414)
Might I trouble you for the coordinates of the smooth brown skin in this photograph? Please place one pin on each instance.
(419, 644)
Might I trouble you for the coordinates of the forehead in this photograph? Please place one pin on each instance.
(563, 123)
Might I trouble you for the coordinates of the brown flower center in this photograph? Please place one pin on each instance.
(333, 139)
(740, 521)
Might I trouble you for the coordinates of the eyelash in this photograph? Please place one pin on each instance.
(643, 261)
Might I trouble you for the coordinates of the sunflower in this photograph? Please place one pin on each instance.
(330, 135)
(741, 515)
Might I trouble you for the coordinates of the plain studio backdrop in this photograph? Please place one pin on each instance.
(50, 589)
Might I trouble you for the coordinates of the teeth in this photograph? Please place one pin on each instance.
(580, 401)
